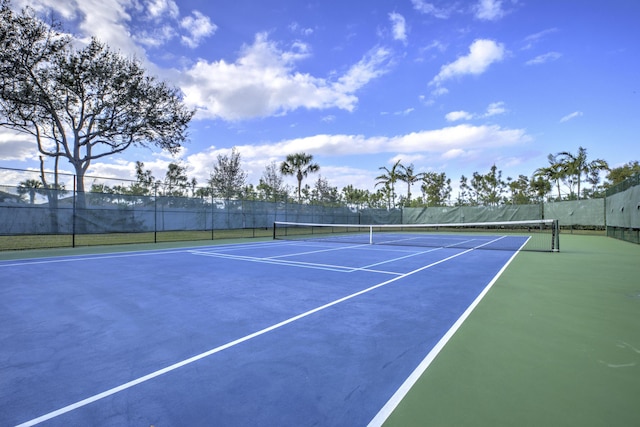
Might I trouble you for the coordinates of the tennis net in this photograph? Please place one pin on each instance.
(535, 235)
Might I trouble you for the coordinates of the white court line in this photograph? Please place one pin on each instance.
(300, 264)
(218, 349)
(242, 246)
(367, 267)
(290, 263)
(304, 264)
(340, 248)
(402, 391)
(89, 257)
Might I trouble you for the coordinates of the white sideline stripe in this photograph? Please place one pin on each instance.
(402, 391)
(87, 258)
(90, 257)
(193, 359)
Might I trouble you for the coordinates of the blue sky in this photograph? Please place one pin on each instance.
(450, 86)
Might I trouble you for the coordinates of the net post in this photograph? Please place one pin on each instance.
(274, 230)
(555, 246)
(371, 234)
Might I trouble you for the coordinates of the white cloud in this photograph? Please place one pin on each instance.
(494, 109)
(437, 141)
(66, 10)
(489, 10)
(430, 9)
(571, 116)
(404, 112)
(454, 153)
(198, 27)
(17, 146)
(439, 91)
(485, 10)
(106, 20)
(158, 9)
(436, 44)
(422, 148)
(482, 53)
(112, 22)
(156, 36)
(407, 159)
(541, 59)
(122, 169)
(365, 70)
(460, 137)
(296, 28)
(399, 27)
(532, 39)
(458, 115)
(263, 82)
(454, 139)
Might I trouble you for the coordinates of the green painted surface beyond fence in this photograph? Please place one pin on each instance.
(555, 342)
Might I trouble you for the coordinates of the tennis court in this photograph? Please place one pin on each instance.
(263, 333)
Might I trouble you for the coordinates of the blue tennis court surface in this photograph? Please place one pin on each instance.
(271, 333)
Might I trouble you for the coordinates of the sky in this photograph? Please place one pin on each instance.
(448, 86)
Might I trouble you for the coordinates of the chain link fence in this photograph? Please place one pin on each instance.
(623, 210)
(33, 216)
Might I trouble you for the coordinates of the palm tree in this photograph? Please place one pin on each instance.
(300, 165)
(407, 175)
(389, 179)
(577, 165)
(554, 172)
(32, 187)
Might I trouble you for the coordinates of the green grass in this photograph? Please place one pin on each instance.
(556, 342)
(22, 242)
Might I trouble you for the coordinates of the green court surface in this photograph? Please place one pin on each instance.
(556, 342)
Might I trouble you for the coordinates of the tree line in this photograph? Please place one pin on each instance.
(395, 186)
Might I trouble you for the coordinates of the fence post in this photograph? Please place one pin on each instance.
(73, 213)
(155, 214)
